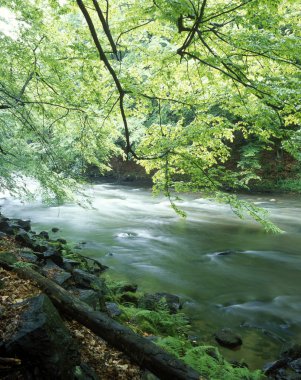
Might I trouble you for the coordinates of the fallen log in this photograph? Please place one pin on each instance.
(142, 351)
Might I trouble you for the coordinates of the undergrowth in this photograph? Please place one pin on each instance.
(207, 360)
(170, 332)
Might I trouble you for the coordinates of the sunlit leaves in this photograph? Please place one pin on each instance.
(200, 78)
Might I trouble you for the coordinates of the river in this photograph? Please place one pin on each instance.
(254, 287)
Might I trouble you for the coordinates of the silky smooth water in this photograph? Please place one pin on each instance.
(254, 289)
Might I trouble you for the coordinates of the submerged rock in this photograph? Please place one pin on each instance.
(225, 253)
(228, 338)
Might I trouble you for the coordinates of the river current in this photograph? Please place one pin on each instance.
(228, 272)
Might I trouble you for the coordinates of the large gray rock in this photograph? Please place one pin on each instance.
(42, 341)
(55, 273)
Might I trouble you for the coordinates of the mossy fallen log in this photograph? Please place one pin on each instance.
(142, 351)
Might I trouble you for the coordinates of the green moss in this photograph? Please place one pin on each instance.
(22, 264)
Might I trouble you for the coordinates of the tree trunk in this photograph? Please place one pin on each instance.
(142, 351)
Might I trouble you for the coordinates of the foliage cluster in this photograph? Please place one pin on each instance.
(174, 85)
(170, 331)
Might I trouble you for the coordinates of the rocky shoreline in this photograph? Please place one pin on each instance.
(41, 344)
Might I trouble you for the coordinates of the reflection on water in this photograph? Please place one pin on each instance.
(228, 271)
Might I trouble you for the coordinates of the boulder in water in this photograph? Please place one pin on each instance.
(228, 338)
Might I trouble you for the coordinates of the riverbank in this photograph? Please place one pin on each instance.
(155, 316)
(142, 240)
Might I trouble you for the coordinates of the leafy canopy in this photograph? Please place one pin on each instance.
(174, 85)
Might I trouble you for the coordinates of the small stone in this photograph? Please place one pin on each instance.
(69, 265)
(85, 372)
(44, 235)
(54, 255)
(24, 224)
(36, 246)
(29, 257)
(237, 364)
(292, 352)
(23, 238)
(55, 229)
(147, 375)
(61, 277)
(296, 365)
(112, 309)
(62, 241)
(225, 253)
(129, 298)
(228, 338)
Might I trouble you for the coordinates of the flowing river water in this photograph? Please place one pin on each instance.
(252, 287)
